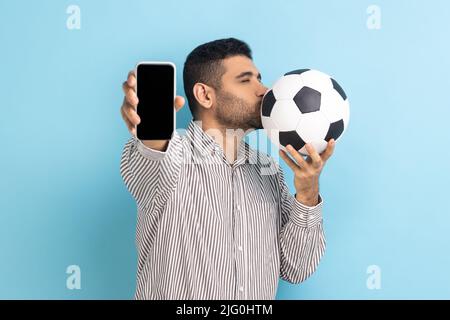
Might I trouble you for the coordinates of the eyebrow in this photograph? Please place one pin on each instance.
(248, 73)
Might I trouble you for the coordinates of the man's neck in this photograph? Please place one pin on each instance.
(228, 138)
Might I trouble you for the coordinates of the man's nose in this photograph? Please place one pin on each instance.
(262, 91)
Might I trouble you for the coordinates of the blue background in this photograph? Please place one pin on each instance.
(63, 202)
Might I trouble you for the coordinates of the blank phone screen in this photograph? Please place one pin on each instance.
(155, 91)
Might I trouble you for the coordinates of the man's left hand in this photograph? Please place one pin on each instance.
(307, 171)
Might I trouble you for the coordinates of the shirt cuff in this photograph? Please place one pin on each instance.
(149, 153)
(305, 216)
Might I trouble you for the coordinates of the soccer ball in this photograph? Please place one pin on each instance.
(305, 106)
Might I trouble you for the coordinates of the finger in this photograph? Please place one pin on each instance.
(315, 157)
(329, 150)
(289, 161)
(131, 114)
(129, 125)
(131, 79)
(125, 87)
(179, 102)
(126, 104)
(131, 97)
(297, 156)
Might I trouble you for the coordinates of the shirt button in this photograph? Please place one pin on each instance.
(238, 207)
(240, 248)
(241, 289)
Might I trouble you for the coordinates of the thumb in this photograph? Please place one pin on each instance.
(179, 102)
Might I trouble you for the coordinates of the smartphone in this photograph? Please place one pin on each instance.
(156, 93)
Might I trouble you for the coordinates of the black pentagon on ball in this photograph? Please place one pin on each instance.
(335, 130)
(339, 89)
(292, 138)
(299, 71)
(307, 100)
(268, 103)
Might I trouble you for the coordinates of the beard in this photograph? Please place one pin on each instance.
(236, 113)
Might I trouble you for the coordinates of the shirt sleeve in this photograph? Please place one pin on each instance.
(149, 174)
(302, 239)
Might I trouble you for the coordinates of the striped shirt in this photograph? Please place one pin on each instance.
(208, 229)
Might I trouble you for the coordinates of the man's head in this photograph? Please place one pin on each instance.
(222, 84)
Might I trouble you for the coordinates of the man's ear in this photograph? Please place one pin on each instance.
(204, 94)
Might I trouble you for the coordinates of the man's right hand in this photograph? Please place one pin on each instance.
(129, 107)
(129, 113)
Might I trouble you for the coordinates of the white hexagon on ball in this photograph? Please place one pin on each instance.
(332, 106)
(286, 87)
(313, 128)
(285, 115)
(317, 80)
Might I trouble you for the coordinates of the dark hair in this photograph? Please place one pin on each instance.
(204, 64)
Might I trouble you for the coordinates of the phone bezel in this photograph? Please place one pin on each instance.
(174, 86)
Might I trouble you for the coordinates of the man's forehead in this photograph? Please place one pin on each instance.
(237, 65)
